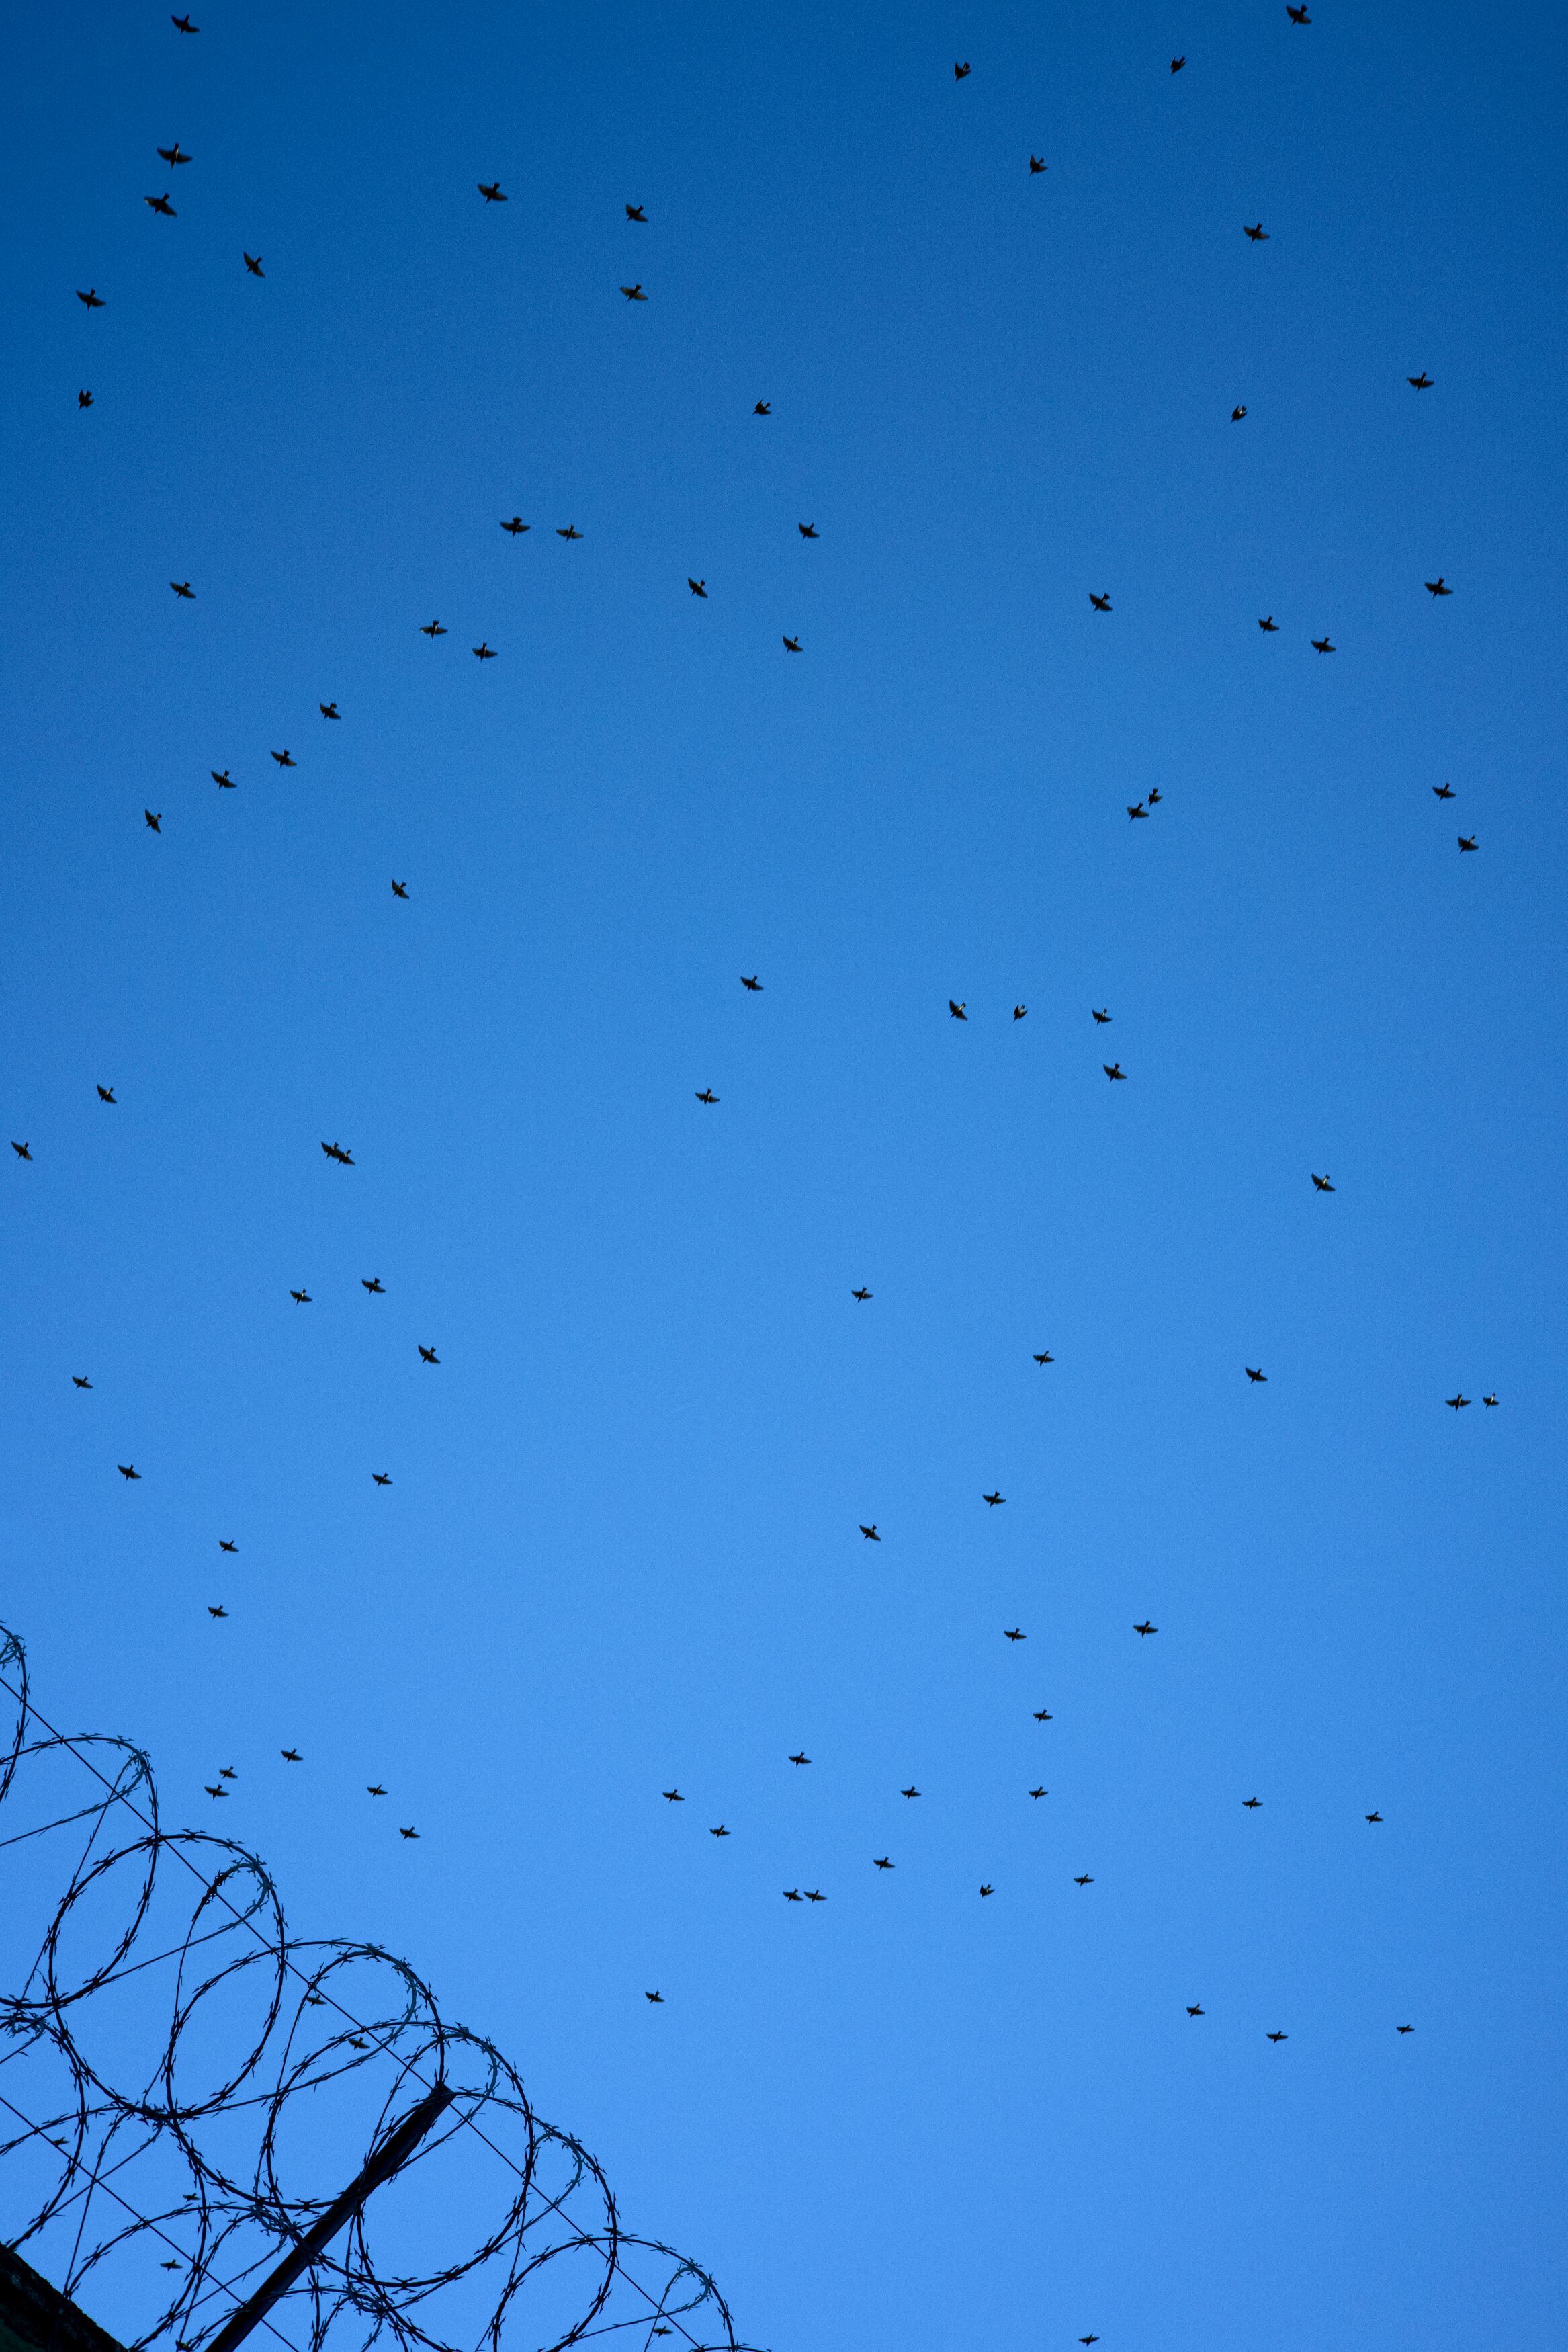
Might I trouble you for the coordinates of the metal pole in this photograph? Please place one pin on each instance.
(389, 2158)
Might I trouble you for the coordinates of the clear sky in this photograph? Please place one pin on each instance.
(620, 1550)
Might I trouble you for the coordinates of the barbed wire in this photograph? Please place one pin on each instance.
(185, 2087)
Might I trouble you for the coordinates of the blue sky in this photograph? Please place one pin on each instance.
(620, 1550)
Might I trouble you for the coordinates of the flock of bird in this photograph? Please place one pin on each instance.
(635, 292)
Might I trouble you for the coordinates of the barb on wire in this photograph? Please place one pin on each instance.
(186, 2088)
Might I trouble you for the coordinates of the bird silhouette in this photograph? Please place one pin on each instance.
(567, 531)
(92, 298)
(1014, 1633)
(1372, 1817)
(175, 154)
(1037, 163)
(1193, 2008)
(1101, 1016)
(1020, 1011)
(1137, 810)
(183, 588)
(106, 1094)
(213, 1792)
(988, 1890)
(861, 1294)
(801, 1758)
(697, 587)
(492, 195)
(227, 1772)
(516, 527)
(1043, 1715)
(161, 204)
(400, 889)
(720, 1831)
(1250, 1804)
(634, 293)
(80, 1381)
(1422, 382)
(226, 1545)
(1259, 233)
(1457, 1402)
(1323, 646)
(84, 400)
(1404, 2029)
(1101, 604)
(1083, 1879)
(427, 1355)
(482, 652)
(291, 1756)
(374, 1788)
(128, 1470)
(380, 1478)
(762, 408)
(655, 1997)
(1467, 841)
(753, 986)
(336, 1152)
(808, 531)
(792, 645)
(1114, 1069)
(1045, 1357)
(1278, 2037)
(328, 711)
(1297, 16)
(1039, 1793)
(253, 263)
(993, 1499)
(183, 24)
(285, 758)
(23, 1150)
(959, 72)
(408, 1833)
(1491, 1399)
(1146, 1628)
(1439, 587)
(635, 212)
(432, 629)
(815, 1895)
(1321, 1182)
(1444, 792)
(300, 1297)
(910, 1791)
(1256, 1375)
(1237, 415)
(216, 1612)
(881, 1862)
(1269, 627)
(958, 1012)
(870, 1533)
(154, 822)
(1177, 65)
(706, 1095)
(221, 778)
(373, 1283)
(672, 1796)
(793, 1895)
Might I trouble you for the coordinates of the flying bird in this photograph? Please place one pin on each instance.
(1193, 2010)
(285, 758)
(635, 212)
(106, 1094)
(808, 531)
(1297, 16)
(1154, 796)
(634, 293)
(81, 1381)
(1270, 627)
(1043, 1715)
(408, 1833)
(216, 1612)
(1323, 646)
(1250, 1804)
(183, 588)
(374, 1788)
(1321, 1182)
(128, 1470)
(801, 1758)
(1443, 792)
(492, 195)
(1094, 2339)
(958, 1012)
(706, 1095)
(253, 263)
(1101, 1016)
(654, 1997)
(1146, 1628)
(175, 154)
(1258, 233)
(516, 527)
(1237, 414)
(1422, 382)
(792, 645)
(1039, 1793)
(1256, 1375)
(291, 1756)
(1467, 841)
(1372, 1817)
(300, 1297)
(221, 778)
(815, 1895)
(762, 408)
(380, 1478)
(720, 1831)
(881, 1862)
(432, 629)
(1457, 1402)
(911, 1791)
(1278, 2037)
(1014, 1633)
(1020, 1011)
(427, 1355)
(328, 711)
(1114, 1069)
(1177, 65)
(870, 1533)
(400, 889)
(1083, 1880)
(1101, 604)
(993, 1499)
(793, 1895)
(183, 24)
(1038, 163)
(861, 1294)
(1439, 587)
(1138, 810)
(22, 1150)
(92, 298)
(227, 1772)
(482, 652)
(672, 1796)
(569, 530)
(84, 400)
(697, 587)
(373, 1283)
(161, 204)
(1404, 2029)
(212, 1791)
(1490, 1400)
(1045, 1358)
(154, 823)
(225, 1545)
(336, 1152)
